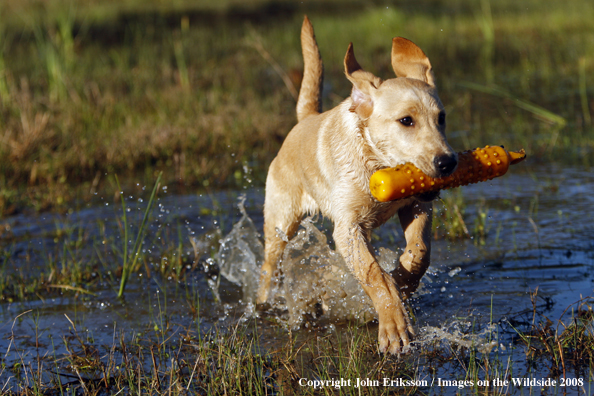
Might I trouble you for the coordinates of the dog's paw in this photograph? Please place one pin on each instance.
(395, 330)
(263, 294)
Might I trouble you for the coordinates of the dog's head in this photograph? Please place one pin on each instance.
(403, 118)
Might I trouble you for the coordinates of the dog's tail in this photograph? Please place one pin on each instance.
(310, 94)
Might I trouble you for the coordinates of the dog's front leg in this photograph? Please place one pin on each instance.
(394, 325)
(415, 220)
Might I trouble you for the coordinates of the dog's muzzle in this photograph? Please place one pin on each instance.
(445, 164)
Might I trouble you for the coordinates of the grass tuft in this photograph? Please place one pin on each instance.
(130, 262)
(568, 344)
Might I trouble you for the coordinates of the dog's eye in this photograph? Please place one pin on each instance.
(407, 121)
(441, 120)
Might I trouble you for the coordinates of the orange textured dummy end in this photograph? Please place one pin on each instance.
(473, 166)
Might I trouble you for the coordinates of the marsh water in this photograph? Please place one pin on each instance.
(529, 233)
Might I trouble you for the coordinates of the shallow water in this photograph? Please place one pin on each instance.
(538, 237)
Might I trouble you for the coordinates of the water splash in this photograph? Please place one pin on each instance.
(316, 280)
(241, 255)
(459, 334)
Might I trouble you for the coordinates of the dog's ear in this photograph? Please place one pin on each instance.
(410, 61)
(364, 83)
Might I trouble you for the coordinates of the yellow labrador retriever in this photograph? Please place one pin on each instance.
(327, 159)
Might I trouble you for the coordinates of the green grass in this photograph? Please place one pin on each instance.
(140, 89)
(130, 260)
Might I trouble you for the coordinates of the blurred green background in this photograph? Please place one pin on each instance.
(204, 90)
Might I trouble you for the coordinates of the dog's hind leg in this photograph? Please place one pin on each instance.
(282, 215)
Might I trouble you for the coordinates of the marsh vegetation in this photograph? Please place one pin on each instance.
(97, 99)
(88, 91)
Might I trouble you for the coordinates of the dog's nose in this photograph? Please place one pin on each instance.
(446, 163)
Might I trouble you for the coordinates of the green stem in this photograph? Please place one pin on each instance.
(127, 269)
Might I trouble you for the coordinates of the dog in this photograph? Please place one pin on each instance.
(325, 163)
